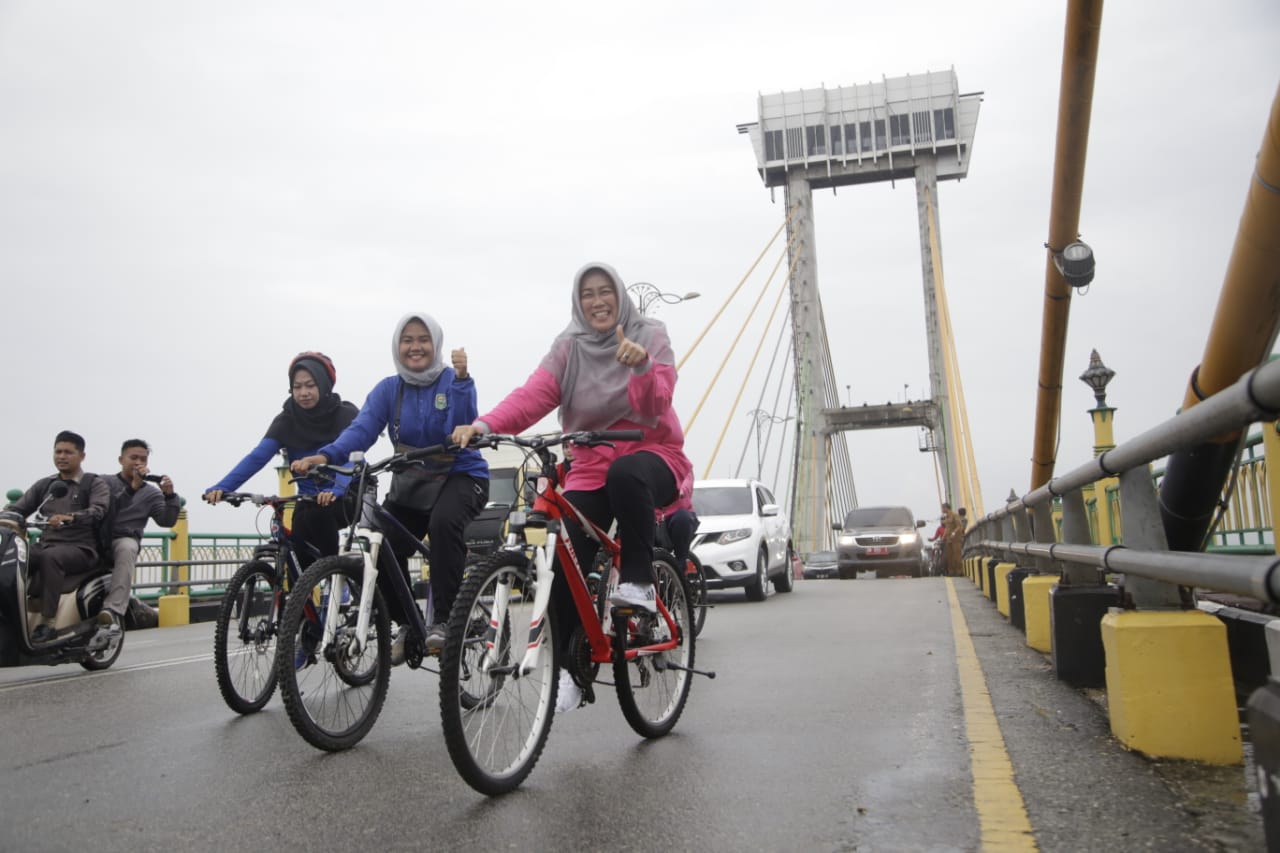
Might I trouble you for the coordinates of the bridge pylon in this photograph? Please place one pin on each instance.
(919, 127)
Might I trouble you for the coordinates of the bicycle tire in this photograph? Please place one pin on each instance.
(330, 706)
(246, 673)
(651, 694)
(495, 742)
(699, 602)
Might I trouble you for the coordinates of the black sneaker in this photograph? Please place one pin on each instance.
(436, 636)
(43, 633)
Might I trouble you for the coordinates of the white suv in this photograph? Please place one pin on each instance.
(743, 538)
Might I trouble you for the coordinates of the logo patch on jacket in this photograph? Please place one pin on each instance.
(442, 402)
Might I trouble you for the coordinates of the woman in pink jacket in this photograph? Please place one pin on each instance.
(611, 368)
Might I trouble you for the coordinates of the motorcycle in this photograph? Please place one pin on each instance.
(78, 638)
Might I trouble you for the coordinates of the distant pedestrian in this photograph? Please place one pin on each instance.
(954, 539)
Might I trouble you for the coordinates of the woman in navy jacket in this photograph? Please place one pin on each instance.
(420, 406)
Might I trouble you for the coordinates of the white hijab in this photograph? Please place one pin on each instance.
(593, 385)
(432, 373)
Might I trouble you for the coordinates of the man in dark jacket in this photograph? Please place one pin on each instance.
(67, 549)
(137, 501)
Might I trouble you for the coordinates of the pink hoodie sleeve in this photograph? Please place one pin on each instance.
(650, 392)
(525, 406)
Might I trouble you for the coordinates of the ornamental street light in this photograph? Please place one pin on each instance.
(762, 417)
(646, 294)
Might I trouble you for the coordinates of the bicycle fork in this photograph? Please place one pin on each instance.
(369, 582)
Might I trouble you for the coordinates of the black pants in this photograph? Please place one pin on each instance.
(445, 524)
(59, 567)
(318, 526)
(635, 486)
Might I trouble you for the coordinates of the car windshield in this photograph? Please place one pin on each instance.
(892, 516)
(722, 500)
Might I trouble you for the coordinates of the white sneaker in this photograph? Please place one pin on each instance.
(635, 595)
(397, 645)
(569, 694)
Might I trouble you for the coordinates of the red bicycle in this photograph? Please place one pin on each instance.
(503, 605)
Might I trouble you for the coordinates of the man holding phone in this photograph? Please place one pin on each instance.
(139, 496)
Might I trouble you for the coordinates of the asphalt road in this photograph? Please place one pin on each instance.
(835, 723)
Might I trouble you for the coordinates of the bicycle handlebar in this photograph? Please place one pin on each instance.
(238, 498)
(586, 438)
(352, 468)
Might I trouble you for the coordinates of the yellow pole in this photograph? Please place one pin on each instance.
(181, 549)
(1271, 447)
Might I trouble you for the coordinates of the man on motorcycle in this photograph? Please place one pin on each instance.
(67, 549)
(136, 502)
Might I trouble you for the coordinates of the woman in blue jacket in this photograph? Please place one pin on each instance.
(312, 417)
(419, 407)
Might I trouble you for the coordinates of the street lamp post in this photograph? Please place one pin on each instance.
(646, 294)
(762, 417)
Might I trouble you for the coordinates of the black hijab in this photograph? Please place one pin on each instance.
(310, 429)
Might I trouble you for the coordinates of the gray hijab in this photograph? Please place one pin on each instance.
(593, 385)
(432, 373)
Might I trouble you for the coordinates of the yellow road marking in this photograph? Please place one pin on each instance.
(1002, 816)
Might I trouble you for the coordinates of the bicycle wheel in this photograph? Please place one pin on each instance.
(496, 719)
(653, 688)
(333, 691)
(244, 639)
(697, 583)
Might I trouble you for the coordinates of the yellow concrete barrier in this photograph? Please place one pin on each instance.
(1002, 587)
(1169, 686)
(1035, 611)
(175, 610)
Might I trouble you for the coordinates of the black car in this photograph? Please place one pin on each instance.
(883, 539)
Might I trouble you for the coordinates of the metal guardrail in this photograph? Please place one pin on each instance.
(1253, 398)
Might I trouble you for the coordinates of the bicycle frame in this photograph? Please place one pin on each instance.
(557, 510)
(365, 537)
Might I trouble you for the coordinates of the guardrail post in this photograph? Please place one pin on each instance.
(1168, 673)
(175, 608)
(1077, 605)
(1036, 588)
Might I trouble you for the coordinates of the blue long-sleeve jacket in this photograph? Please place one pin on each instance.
(264, 453)
(428, 415)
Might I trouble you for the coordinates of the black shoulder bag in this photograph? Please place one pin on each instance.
(418, 485)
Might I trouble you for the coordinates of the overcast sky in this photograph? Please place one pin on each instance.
(192, 193)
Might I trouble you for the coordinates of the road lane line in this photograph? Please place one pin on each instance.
(81, 676)
(1002, 816)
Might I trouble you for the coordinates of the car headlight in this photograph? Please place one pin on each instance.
(731, 536)
(908, 538)
(847, 540)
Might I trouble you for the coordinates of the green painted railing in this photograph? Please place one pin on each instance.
(1245, 526)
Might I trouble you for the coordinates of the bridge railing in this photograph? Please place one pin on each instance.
(1246, 523)
(1130, 615)
(1011, 530)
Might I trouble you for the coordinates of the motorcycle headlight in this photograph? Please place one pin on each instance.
(731, 536)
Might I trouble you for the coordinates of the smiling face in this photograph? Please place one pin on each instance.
(417, 352)
(304, 389)
(598, 297)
